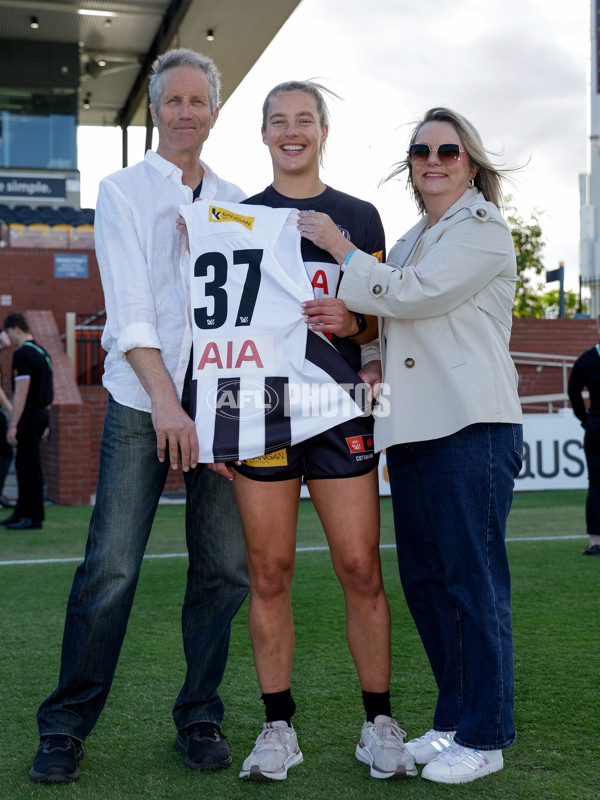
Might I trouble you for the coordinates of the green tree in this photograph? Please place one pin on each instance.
(550, 302)
(529, 243)
(533, 298)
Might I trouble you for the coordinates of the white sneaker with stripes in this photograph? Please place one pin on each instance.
(430, 745)
(462, 765)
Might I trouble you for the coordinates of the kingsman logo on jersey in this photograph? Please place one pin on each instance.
(216, 214)
(261, 380)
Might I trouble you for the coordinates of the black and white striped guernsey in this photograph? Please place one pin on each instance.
(260, 379)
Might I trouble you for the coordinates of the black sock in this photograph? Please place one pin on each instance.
(279, 705)
(377, 703)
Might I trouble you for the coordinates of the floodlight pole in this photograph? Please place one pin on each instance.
(589, 183)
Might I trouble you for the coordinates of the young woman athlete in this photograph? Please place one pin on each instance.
(343, 487)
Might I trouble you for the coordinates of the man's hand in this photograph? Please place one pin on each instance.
(176, 432)
(222, 469)
(174, 429)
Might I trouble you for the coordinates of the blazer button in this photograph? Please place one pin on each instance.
(409, 362)
(377, 289)
(481, 213)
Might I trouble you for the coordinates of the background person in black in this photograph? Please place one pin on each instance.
(586, 373)
(6, 451)
(32, 394)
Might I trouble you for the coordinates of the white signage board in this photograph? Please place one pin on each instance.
(553, 456)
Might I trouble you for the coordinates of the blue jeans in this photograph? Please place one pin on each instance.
(451, 498)
(130, 483)
(591, 446)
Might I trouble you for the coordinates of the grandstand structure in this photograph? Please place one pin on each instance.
(66, 63)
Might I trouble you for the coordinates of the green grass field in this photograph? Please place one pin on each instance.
(130, 754)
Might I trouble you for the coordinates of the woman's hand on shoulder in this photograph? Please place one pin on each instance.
(322, 230)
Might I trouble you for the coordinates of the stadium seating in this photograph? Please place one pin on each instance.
(48, 227)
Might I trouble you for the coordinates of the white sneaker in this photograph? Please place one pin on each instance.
(462, 765)
(276, 750)
(382, 747)
(430, 745)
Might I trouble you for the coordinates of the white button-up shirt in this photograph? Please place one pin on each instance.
(144, 267)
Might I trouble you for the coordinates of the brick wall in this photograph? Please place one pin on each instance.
(563, 337)
(28, 276)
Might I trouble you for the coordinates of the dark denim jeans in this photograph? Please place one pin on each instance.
(130, 483)
(451, 498)
(591, 445)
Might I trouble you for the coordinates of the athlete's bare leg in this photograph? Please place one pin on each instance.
(269, 511)
(349, 512)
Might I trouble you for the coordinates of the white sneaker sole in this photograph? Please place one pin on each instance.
(365, 757)
(446, 777)
(255, 773)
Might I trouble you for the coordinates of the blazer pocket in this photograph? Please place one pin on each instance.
(448, 345)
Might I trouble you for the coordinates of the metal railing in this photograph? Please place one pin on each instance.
(548, 403)
(83, 334)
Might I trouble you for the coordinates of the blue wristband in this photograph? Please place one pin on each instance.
(348, 257)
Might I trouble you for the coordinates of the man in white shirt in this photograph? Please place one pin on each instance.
(148, 338)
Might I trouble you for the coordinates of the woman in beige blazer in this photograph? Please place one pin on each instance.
(450, 422)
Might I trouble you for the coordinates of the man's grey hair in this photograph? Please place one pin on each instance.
(182, 57)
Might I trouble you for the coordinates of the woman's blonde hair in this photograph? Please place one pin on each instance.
(489, 177)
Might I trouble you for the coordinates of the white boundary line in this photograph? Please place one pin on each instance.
(298, 550)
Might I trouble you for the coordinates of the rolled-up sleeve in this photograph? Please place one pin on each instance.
(126, 279)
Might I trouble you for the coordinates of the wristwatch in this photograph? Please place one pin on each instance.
(362, 325)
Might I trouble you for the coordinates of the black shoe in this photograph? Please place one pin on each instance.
(204, 746)
(591, 550)
(9, 520)
(56, 760)
(24, 524)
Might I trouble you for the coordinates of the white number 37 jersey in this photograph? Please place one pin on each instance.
(260, 379)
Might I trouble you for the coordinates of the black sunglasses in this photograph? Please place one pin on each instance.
(419, 153)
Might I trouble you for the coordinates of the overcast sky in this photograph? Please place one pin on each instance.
(515, 68)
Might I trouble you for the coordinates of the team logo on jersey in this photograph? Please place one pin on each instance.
(217, 214)
(359, 444)
(253, 398)
(378, 255)
(276, 459)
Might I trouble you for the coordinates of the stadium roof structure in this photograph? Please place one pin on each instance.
(118, 40)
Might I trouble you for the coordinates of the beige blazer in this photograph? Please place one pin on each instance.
(444, 300)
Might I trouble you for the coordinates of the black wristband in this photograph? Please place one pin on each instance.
(362, 326)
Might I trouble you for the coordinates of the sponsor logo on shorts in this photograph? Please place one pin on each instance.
(360, 444)
(276, 459)
(217, 214)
